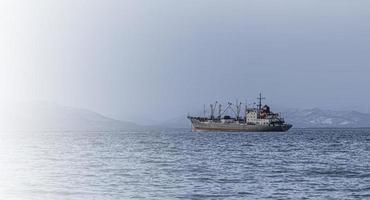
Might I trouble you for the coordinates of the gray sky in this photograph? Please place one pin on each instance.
(131, 59)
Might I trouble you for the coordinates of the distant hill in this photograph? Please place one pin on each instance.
(326, 118)
(52, 117)
(302, 118)
(48, 116)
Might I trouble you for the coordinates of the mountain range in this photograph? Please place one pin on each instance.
(307, 118)
(47, 116)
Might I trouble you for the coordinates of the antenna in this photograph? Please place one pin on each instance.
(260, 98)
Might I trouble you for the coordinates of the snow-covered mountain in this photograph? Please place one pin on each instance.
(48, 116)
(326, 118)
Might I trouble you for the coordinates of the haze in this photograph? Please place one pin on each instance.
(161, 59)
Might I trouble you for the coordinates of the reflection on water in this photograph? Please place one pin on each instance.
(170, 164)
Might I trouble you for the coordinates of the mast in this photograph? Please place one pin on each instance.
(213, 107)
(245, 110)
(260, 98)
(238, 109)
(204, 110)
(219, 111)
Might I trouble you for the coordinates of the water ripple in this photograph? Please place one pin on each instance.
(178, 164)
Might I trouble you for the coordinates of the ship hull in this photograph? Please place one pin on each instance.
(237, 127)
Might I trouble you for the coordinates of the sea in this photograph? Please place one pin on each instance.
(180, 164)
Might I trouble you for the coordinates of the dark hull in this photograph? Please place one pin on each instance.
(236, 127)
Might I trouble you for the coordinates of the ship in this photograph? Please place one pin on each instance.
(256, 118)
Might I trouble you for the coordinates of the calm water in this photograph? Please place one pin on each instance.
(178, 164)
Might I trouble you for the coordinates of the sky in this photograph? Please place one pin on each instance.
(155, 60)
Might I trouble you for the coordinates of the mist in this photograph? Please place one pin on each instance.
(140, 61)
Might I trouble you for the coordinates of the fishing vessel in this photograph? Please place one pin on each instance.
(255, 119)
